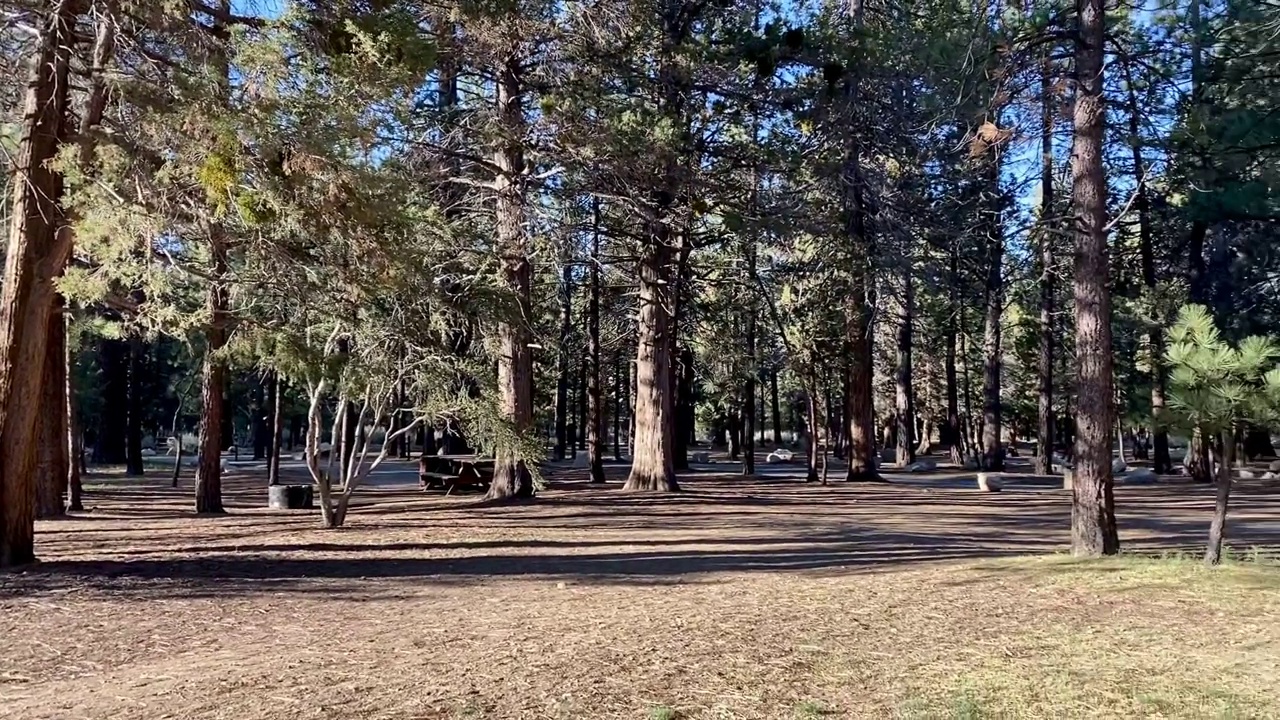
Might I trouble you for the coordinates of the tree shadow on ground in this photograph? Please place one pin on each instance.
(719, 527)
(285, 567)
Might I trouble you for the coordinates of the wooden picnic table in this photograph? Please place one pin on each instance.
(454, 471)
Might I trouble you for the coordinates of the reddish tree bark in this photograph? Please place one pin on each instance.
(511, 477)
(213, 382)
(53, 454)
(652, 464)
(37, 252)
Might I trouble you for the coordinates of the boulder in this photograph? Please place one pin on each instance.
(1118, 466)
(1140, 476)
(1247, 475)
(148, 452)
(1274, 466)
(989, 483)
(922, 466)
(1270, 476)
(779, 455)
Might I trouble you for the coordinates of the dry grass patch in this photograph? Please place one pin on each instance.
(1125, 637)
(735, 600)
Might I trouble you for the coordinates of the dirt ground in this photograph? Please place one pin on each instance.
(734, 599)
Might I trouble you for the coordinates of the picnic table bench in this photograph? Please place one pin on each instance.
(454, 471)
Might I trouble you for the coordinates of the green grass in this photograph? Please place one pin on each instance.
(662, 712)
(812, 710)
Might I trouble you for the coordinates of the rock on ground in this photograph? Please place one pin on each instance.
(1140, 476)
(779, 455)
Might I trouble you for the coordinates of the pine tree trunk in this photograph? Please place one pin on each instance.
(687, 410)
(858, 306)
(350, 428)
(859, 411)
(75, 449)
(680, 436)
(811, 433)
(775, 407)
(966, 420)
(133, 431)
(595, 401)
(762, 417)
(53, 454)
(952, 435)
(277, 428)
(562, 379)
(619, 400)
(1044, 406)
(1093, 524)
(1199, 466)
(572, 430)
(652, 464)
(748, 405)
(683, 405)
(632, 393)
(734, 426)
(94, 105)
(36, 253)
(511, 477)
(926, 434)
(903, 400)
(402, 418)
(580, 409)
(260, 422)
(992, 449)
(1218, 528)
(177, 454)
(109, 438)
(213, 383)
(681, 395)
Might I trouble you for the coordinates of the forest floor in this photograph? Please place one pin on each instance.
(766, 598)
